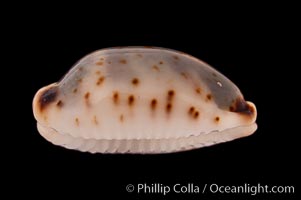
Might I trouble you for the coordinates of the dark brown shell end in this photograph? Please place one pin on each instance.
(47, 97)
(241, 106)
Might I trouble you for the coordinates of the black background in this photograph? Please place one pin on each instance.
(252, 48)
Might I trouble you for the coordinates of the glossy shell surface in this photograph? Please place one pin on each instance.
(142, 100)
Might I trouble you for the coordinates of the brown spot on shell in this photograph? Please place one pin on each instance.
(153, 104)
(87, 95)
(168, 107)
(121, 118)
(100, 63)
(59, 104)
(116, 97)
(184, 75)
(74, 90)
(176, 57)
(161, 62)
(109, 62)
(196, 114)
(47, 97)
(95, 121)
(217, 118)
(198, 90)
(170, 95)
(122, 61)
(101, 59)
(131, 100)
(135, 81)
(98, 72)
(191, 110)
(76, 121)
(209, 97)
(100, 80)
(79, 80)
(156, 68)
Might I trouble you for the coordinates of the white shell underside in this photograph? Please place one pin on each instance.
(147, 146)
